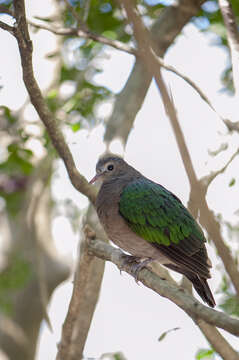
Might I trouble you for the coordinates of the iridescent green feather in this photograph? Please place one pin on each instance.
(157, 215)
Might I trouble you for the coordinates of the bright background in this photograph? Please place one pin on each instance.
(128, 317)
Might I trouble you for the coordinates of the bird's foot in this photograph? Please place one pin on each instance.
(129, 260)
(136, 264)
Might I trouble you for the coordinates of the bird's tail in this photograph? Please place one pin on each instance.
(201, 286)
(199, 283)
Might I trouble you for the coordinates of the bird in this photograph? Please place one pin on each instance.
(150, 223)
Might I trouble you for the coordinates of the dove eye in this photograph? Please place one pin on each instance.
(110, 167)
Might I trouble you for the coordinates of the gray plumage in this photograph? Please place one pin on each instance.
(149, 222)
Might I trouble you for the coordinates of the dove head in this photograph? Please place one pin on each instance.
(111, 166)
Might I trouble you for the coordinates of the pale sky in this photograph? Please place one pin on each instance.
(128, 317)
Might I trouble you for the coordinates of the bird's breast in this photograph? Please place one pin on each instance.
(119, 232)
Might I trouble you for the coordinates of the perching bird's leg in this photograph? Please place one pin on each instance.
(129, 260)
(136, 264)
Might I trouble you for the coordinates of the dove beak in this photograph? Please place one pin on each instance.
(95, 178)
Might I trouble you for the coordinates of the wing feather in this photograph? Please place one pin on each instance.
(159, 217)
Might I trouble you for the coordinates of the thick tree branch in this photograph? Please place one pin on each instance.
(88, 298)
(83, 269)
(233, 39)
(25, 49)
(177, 295)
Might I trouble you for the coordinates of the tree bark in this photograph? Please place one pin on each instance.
(31, 242)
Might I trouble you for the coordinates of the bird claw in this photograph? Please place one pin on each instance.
(136, 265)
(128, 260)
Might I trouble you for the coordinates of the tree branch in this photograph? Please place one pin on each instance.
(83, 270)
(232, 126)
(207, 180)
(22, 41)
(86, 10)
(78, 19)
(25, 49)
(233, 39)
(177, 295)
(129, 101)
(212, 227)
(150, 60)
(86, 34)
(171, 68)
(218, 342)
(6, 27)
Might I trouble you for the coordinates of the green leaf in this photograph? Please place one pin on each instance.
(162, 336)
(205, 354)
(52, 100)
(232, 182)
(13, 201)
(219, 29)
(165, 333)
(16, 275)
(8, 115)
(52, 94)
(17, 161)
(118, 356)
(6, 3)
(76, 127)
(110, 34)
(68, 73)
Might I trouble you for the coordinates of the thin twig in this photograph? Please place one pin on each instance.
(86, 34)
(86, 10)
(78, 19)
(207, 180)
(171, 68)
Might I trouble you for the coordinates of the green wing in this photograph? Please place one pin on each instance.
(158, 216)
